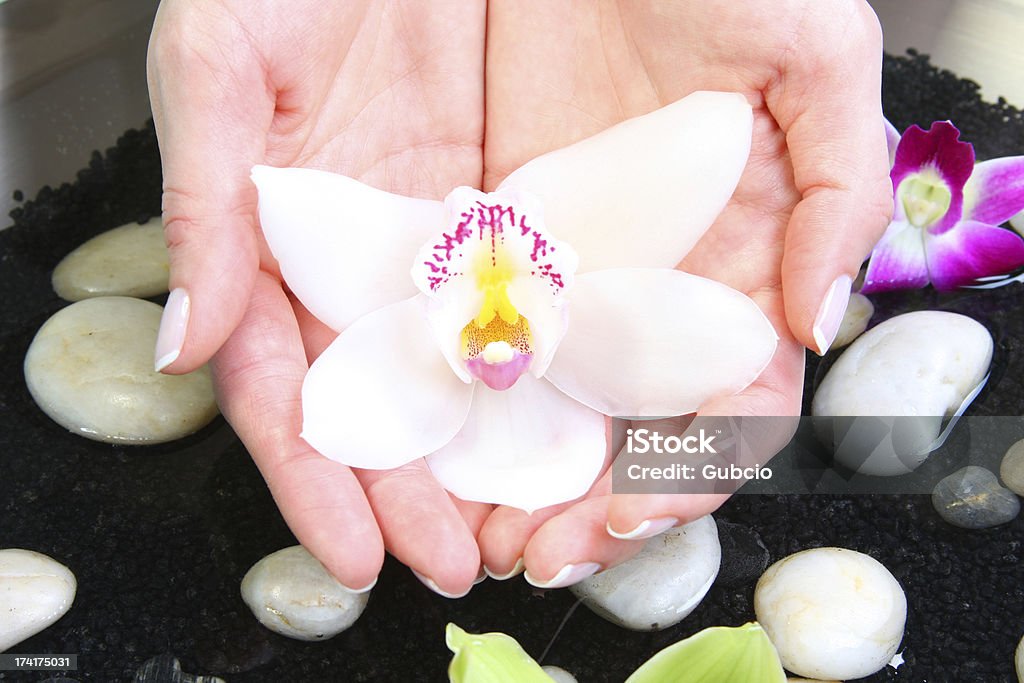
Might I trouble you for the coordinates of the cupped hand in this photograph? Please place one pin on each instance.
(813, 199)
(388, 93)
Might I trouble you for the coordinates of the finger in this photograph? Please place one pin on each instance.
(423, 527)
(574, 545)
(828, 103)
(259, 373)
(504, 536)
(212, 108)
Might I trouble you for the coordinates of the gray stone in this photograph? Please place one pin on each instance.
(972, 498)
(90, 368)
(1011, 470)
(35, 591)
(855, 320)
(291, 593)
(662, 584)
(744, 555)
(131, 260)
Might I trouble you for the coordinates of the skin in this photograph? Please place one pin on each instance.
(389, 93)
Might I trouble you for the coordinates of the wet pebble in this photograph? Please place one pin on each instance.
(972, 498)
(832, 613)
(35, 591)
(921, 365)
(1018, 661)
(1018, 222)
(167, 669)
(131, 260)
(1011, 469)
(855, 320)
(662, 584)
(90, 368)
(291, 593)
(558, 674)
(744, 555)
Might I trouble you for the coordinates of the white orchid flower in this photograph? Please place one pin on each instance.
(531, 312)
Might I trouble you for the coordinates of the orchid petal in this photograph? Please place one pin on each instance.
(973, 250)
(343, 247)
(382, 394)
(938, 156)
(656, 342)
(642, 193)
(529, 447)
(898, 260)
(892, 140)
(995, 191)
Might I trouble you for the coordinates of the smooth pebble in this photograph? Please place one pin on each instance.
(90, 368)
(972, 498)
(1018, 222)
(922, 366)
(35, 591)
(1018, 661)
(855, 320)
(1011, 469)
(291, 593)
(131, 260)
(744, 555)
(558, 674)
(662, 584)
(832, 613)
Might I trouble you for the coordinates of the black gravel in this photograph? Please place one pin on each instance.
(160, 537)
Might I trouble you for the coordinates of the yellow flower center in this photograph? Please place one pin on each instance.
(925, 199)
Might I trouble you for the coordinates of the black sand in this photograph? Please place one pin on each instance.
(160, 537)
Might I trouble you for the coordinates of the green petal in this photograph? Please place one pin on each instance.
(720, 654)
(490, 658)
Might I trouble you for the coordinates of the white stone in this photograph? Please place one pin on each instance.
(1018, 222)
(558, 674)
(855, 320)
(90, 368)
(291, 593)
(662, 584)
(1011, 469)
(921, 366)
(35, 591)
(1018, 661)
(131, 260)
(831, 613)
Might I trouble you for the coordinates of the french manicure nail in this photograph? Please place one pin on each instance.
(515, 571)
(830, 314)
(357, 591)
(566, 576)
(173, 324)
(645, 529)
(429, 583)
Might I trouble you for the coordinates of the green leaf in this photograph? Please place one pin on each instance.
(490, 658)
(716, 655)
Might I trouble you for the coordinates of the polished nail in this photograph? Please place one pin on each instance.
(357, 591)
(566, 576)
(516, 570)
(645, 529)
(429, 583)
(173, 324)
(830, 314)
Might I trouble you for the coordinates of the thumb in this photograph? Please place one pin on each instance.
(212, 110)
(828, 103)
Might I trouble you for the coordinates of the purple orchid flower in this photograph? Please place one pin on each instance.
(947, 210)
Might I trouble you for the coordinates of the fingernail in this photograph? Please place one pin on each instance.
(429, 583)
(566, 576)
(645, 529)
(357, 591)
(480, 577)
(830, 314)
(516, 571)
(172, 328)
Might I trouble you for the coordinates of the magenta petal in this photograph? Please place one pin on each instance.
(500, 376)
(938, 149)
(898, 261)
(972, 250)
(995, 192)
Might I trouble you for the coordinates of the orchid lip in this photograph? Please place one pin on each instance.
(501, 374)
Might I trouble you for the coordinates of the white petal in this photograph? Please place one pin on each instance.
(382, 394)
(530, 446)
(546, 315)
(658, 342)
(344, 247)
(644, 191)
